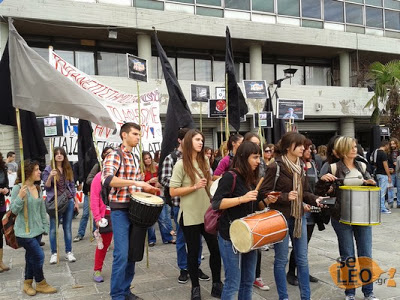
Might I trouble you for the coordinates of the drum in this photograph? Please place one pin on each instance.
(257, 230)
(360, 205)
(145, 208)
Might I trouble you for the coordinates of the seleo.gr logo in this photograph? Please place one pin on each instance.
(356, 272)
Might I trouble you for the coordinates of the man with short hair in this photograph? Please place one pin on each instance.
(382, 173)
(12, 168)
(124, 178)
(392, 158)
(166, 173)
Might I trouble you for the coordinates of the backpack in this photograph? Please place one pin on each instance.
(373, 156)
(105, 190)
(167, 195)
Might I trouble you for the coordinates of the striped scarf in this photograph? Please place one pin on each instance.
(296, 205)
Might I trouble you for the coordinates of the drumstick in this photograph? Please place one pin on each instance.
(259, 183)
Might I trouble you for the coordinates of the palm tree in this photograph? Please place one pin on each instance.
(386, 94)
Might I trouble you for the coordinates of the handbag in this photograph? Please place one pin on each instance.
(8, 222)
(62, 204)
(211, 217)
(108, 228)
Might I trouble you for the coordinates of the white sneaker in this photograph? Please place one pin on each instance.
(70, 257)
(370, 297)
(53, 259)
(290, 243)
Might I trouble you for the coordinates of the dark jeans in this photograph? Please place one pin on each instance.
(258, 265)
(2, 213)
(192, 236)
(34, 257)
(292, 261)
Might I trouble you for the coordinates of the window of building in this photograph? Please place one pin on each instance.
(68, 56)
(209, 2)
(374, 2)
(43, 52)
(318, 76)
(183, 1)
(156, 68)
(392, 4)
(149, 4)
(297, 79)
(354, 13)
(289, 7)
(374, 17)
(238, 4)
(219, 70)
(311, 9)
(210, 12)
(268, 72)
(203, 70)
(333, 11)
(392, 19)
(185, 68)
(263, 5)
(111, 64)
(84, 61)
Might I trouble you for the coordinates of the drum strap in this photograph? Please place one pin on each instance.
(278, 172)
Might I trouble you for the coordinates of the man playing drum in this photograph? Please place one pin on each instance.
(124, 178)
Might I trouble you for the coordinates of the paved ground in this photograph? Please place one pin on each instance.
(159, 281)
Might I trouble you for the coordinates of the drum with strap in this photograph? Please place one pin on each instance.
(259, 229)
(145, 208)
(360, 205)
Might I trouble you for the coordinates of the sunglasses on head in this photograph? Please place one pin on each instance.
(267, 150)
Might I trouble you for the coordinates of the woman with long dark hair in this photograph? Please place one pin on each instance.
(240, 269)
(233, 143)
(294, 191)
(65, 184)
(190, 181)
(38, 224)
(4, 190)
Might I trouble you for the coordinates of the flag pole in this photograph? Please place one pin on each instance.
(260, 128)
(55, 197)
(222, 132)
(227, 108)
(201, 116)
(21, 153)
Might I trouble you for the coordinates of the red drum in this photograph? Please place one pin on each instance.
(257, 230)
(145, 208)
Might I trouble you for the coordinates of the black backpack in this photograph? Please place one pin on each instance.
(105, 190)
(168, 198)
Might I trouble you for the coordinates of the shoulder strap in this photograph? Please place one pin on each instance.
(278, 171)
(234, 180)
(174, 158)
(333, 169)
(121, 158)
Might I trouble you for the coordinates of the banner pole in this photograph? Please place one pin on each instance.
(201, 116)
(55, 196)
(21, 153)
(222, 133)
(260, 129)
(140, 125)
(227, 108)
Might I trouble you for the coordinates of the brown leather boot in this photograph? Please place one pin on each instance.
(3, 267)
(45, 288)
(28, 289)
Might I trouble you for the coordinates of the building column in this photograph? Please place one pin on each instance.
(3, 36)
(144, 49)
(344, 69)
(255, 62)
(347, 127)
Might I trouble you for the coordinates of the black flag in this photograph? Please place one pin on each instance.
(33, 143)
(87, 156)
(274, 134)
(178, 112)
(237, 106)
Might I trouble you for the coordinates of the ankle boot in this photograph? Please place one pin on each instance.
(3, 267)
(216, 290)
(45, 288)
(195, 293)
(28, 289)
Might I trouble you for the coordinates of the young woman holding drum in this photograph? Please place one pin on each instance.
(294, 190)
(351, 173)
(190, 180)
(236, 195)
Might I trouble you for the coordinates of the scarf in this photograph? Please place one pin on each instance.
(296, 205)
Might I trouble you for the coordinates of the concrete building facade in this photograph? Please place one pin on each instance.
(329, 42)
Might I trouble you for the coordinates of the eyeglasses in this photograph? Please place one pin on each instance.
(267, 150)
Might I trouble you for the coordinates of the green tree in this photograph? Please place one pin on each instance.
(386, 98)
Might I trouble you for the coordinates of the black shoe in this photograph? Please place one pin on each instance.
(152, 244)
(195, 293)
(216, 290)
(313, 279)
(183, 277)
(203, 276)
(132, 296)
(42, 244)
(292, 279)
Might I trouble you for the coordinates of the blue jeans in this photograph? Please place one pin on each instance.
(67, 224)
(383, 184)
(363, 236)
(165, 225)
(181, 243)
(122, 271)
(34, 257)
(239, 271)
(85, 217)
(391, 194)
(281, 259)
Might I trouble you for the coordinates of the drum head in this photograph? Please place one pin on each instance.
(241, 236)
(147, 199)
(214, 187)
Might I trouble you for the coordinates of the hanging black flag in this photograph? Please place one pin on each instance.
(274, 134)
(237, 106)
(87, 156)
(33, 143)
(178, 112)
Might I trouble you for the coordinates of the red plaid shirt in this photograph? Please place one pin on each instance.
(128, 170)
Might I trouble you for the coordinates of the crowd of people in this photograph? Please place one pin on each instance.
(296, 176)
